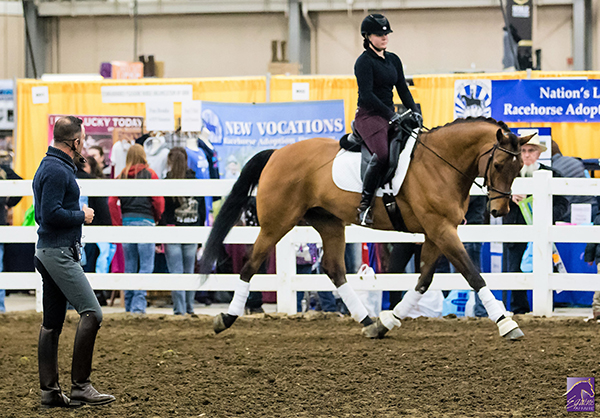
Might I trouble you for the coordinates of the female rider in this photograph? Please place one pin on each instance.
(377, 72)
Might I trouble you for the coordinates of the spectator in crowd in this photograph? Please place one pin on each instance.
(96, 153)
(573, 168)
(57, 212)
(513, 251)
(592, 256)
(6, 173)
(137, 211)
(308, 261)
(182, 211)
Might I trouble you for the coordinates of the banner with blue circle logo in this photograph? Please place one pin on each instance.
(540, 100)
(240, 130)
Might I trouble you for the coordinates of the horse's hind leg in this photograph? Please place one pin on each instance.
(332, 231)
(390, 319)
(454, 250)
(269, 235)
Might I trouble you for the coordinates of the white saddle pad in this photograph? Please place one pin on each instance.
(346, 169)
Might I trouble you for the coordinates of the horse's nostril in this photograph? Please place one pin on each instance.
(494, 212)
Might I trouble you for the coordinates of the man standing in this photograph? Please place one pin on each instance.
(513, 251)
(57, 212)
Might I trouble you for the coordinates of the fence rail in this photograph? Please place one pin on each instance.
(286, 282)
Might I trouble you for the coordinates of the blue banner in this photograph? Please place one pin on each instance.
(546, 100)
(239, 130)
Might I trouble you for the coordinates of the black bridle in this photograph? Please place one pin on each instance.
(487, 180)
(486, 183)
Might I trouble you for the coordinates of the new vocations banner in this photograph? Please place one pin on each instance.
(238, 130)
(546, 100)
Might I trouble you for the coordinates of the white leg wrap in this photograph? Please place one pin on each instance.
(240, 296)
(388, 320)
(355, 306)
(410, 299)
(493, 306)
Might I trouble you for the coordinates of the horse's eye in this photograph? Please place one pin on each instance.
(497, 166)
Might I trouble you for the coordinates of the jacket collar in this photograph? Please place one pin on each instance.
(374, 54)
(63, 156)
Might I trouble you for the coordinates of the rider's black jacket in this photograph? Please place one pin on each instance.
(376, 78)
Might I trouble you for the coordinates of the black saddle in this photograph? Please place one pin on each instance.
(353, 142)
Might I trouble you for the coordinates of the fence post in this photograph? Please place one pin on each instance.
(286, 269)
(542, 247)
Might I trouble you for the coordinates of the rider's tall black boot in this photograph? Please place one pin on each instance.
(82, 391)
(52, 395)
(370, 184)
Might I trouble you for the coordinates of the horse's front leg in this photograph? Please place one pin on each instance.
(451, 246)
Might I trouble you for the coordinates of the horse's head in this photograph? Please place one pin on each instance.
(501, 168)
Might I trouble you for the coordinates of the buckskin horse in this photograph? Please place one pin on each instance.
(295, 183)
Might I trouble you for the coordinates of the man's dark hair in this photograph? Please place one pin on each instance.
(67, 128)
(98, 148)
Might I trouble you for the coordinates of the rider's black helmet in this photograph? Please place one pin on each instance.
(375, 24)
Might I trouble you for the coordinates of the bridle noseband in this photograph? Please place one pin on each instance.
(487, 181)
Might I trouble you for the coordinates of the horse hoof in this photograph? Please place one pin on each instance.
(375, 330)
(370, 331)
(509, 329)
(219, 323)
(515, 334)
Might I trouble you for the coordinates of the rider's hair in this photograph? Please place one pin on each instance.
(366, 42)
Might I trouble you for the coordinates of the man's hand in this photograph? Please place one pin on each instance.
(89, 214)
(518, 197)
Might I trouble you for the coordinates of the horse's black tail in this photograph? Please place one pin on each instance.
(232, 209)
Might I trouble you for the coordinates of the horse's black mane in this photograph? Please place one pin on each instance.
(470, 119)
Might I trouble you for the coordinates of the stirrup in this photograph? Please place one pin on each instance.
(365, 217)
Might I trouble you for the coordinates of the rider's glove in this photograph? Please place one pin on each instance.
(417, 118)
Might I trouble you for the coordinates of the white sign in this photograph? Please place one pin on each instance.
(160, 116)
(300, 91)
(581, 213)
(191, 116)
(39, 95)
(144, 94)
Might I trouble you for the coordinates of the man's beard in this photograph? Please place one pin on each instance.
(527, 170)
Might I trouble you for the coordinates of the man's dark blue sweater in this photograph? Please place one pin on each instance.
(56, 199)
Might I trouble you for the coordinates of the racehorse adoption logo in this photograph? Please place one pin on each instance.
(472, 98)
(580, 394)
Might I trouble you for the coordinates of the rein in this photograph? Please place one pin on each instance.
(486, 184)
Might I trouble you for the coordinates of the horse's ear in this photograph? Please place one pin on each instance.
(524, 139)
(500, 136)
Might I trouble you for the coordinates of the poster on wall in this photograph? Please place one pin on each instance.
(539, 100)
(7, 105)
(104, 131)
(238, 131)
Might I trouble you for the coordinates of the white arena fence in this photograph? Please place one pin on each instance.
(286, 282)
